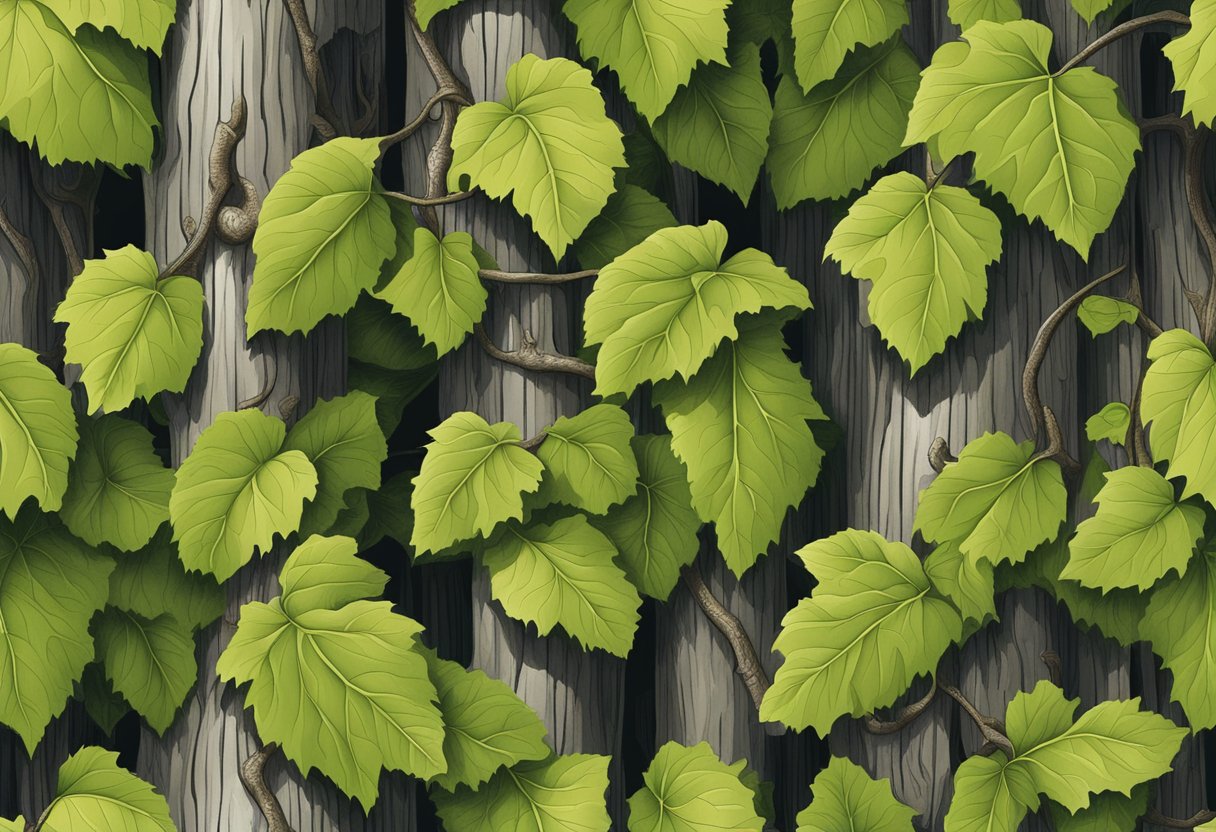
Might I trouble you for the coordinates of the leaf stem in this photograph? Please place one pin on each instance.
(1122, 30)
(536, 277)
(990, 729)
(747, 661)
(440, 96)
(430, 201)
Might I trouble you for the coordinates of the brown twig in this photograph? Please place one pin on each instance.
(446, 94)
(1055, 445)
(1136, 446)
(939, 455)
(1136, 298)
(991, 729)
(533, 442)
(430, 201)
(1155, 818)
(535, 277)
(269, 380)
(747, 662)
(905, 716)
(529, 357)
(326, 117)
(253, 777)
(1119, 31)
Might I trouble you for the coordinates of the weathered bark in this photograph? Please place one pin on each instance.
(217, 52)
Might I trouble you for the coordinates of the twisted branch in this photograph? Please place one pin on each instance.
(991, 729)
(747, 662)
(1154, 817)
(452, 94)
(905, 716)
(253, 777)
(529, 357)
(326, 117)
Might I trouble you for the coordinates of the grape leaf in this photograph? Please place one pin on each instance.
(1058, 145)
(740, 426)
(1090, 9)
(144, 22)
(827, 142)
(718, 125)
(338, 682)
(427, 9)
(999, 500)
(1107, 812)
(342, 440)
(925, 251)
(1110, 423)
(95, 793)
(323, 233)
(38, 433)
(1193, 56)
(549, 141)
(1137, 536)
(664, 306)
(101, 703)
(826, 30)
(392, 389)
(389, 512)
(560, 794)
(1178, 404)
(236, 490)
(152, 582)
(846, 797)
(966, 13)
(587, 458)
(50, 586)
(133, 333)
(1180, 626)
(969, 584)
(688, 789)
(983, 800)
(149, 661)
(869, 628)
(473, 477)
(1101, 314)
(564, 574)
(118, 490)
(374, 335)
(655, 530)
(631, 215)
(652, 45)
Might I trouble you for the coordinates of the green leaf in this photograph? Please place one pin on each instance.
(83, 97)
(740, 426)
(389, 512)
(353, 515)
(664, 306)
(392, 389)
(236, 491)
(549, 141)
(142, 22)
(966, 13)
(983, 800)
(564, 574)
(688, 789)
(18, 824)
(95, 793)
(1090, 9)
(133, 334)
(118, 492)
(338, 682)
(1059, 146)
(438, 289)
(655, 530)
(827, 142)
(342, 440)
(486, 725)
(652, 45)
(560, 794)
(1180, 625)
(1193, 55)
(925, 251)
(631, 215)
(374, 335)
(37, 432)
(1107, 812)
(718, 125)
(473, 477)
(969, 584)
(149, 661)
(101, 703)
(427, 9)
(846, 797)
(50, 586)
(152, 582)
(1178, 404)
(1101, 314)
(869, 628)
(323, 233)
(1110, 423)
(825, 31)
(999, 500)
(588, 461)
(1137, 536)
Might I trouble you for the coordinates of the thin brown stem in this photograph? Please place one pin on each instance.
(530, 357)
(430, 201)
(1055, 445)
(440, 96)
(1137, 448)
(747, 661)
(533, 442)
(1122, 30)
(253, 777)
(905, 716)
(1136, 298)
(990, 729)
(1155, 818)
(536, 277)
(327, 118)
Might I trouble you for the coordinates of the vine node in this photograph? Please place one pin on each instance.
(441, 95)
(905, 716)
(253, 778)
(530, 357)
(326, 117)
(1136, 298)
(939, 455)
(1153, 816)
(536, 278)
(991, 729)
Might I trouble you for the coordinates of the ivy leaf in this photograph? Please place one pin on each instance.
(631, 215)
(438, 289)
(1107, 812)
(587, 458)
(549, 141)
(826, 30)
(999, 500)
(966, 13)
(323, 233)
(652, 45)
(118, 492)
(688, 789)
(342, 440)
(740, 426)
(655, 530)
(50, 586)
(718, 125)
(427, 9)
(663, 307)
(336, 681)
(236, 491)
(374, 335)
(392, 389)
(153, 582)
(1059, 146)
(389, 512)
(95, 793)
(144, 23)
(149, 661)
(554, 795)
(827, 142)
(1180, 626)
(101, 703)
(486, 725)
(1101, 314)
(1090, 9)
(37, 432)
(1178, 403)
(133, 334)
(846, 797)
(83, 97)
(869, 628)
(1110, 423)
(983, 799)
(1193, 56)
(473, 477)
(564, 574)
(969, 584)
(926, 251)
(1137, 536)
